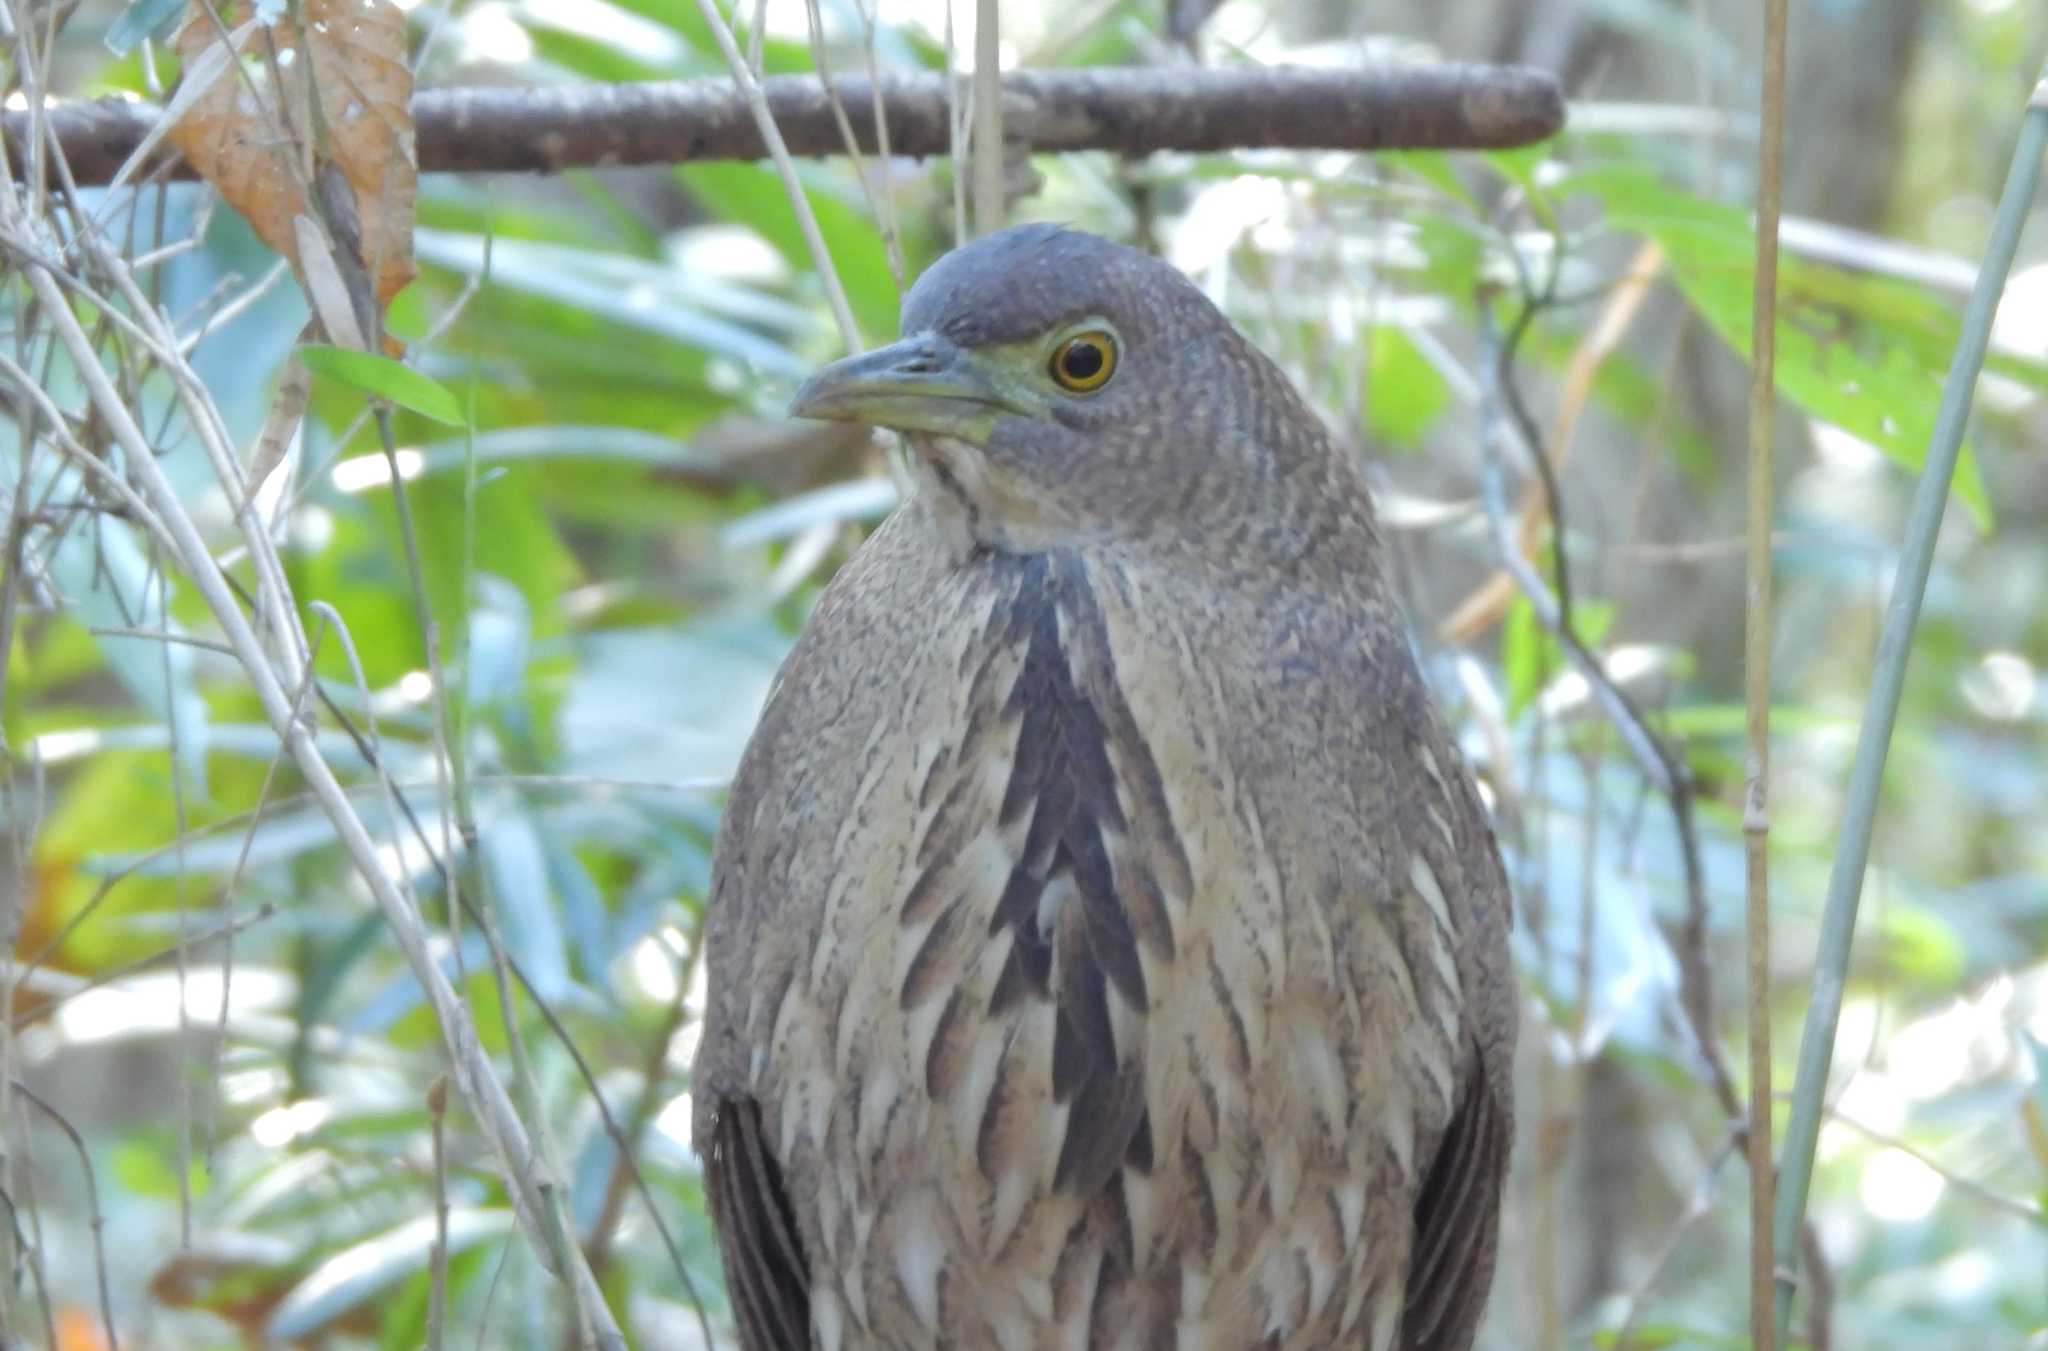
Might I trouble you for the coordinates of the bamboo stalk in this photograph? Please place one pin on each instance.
(1881, 708)
(1756, 647)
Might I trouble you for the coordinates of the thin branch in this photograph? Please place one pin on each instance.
(1756, 686)
(956, 134)
(1134, 111)
(2025, 1210)
(53, 1000)
(881, 200)
(96, 1218)
(1535, 300)
(885, 206)
(653, 1077)
(768, 122)
(1820, 1290)
(437, 1262)
(987, 146)
(1696, 1208)
(1666, 771)
(1483, 608)
(397, 802)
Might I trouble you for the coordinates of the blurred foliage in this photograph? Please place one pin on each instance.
(619, 536)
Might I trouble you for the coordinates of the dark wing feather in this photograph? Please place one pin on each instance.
(1456, 1217)
(766, 1277)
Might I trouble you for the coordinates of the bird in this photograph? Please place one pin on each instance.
(1107, 945)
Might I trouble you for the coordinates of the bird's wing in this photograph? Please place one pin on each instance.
(766, 1278)
(1456, 1216)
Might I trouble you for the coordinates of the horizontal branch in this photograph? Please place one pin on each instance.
(1131, 110)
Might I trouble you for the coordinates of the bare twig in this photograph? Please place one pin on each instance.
(652, 1077)
(1134, 111)
(1756, 689)
(96, 1218)
(1696, 1207)
(988, 118)
(2025, 1210)
(1820, 1290)
(956, 131)
(767, 122)
(84, 984)
(437, 1264)
(876, 188)
(1483, 608)
(1666, 771)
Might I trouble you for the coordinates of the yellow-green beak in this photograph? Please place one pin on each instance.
(921, 384)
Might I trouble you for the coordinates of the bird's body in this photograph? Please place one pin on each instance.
(1106, 947)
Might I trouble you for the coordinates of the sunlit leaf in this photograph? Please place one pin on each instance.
(357, 1274)
(752, 195)
(1406, 395)
(1864, 355)
(386, 379)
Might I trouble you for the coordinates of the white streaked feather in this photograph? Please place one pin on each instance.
(1446, 963)
(920, 1253)
(853, 1283)
(1323, 1075)
(828, 1318)
(880, 1090)
(1431, 890)
(1397, 1128)
(970, 1097)
(1351, 1212)
(1386, 1317)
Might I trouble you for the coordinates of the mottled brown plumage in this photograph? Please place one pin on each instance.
(1107, 948)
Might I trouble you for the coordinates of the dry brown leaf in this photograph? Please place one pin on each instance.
(253, 134)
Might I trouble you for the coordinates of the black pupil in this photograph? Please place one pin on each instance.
(1082, 360)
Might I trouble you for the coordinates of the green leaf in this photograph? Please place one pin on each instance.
(1868, 355)
(384, 378)
(1433, 167)
(600, 289)
(356, 1274)
(592, 58)
(1530, 654)
(1521, 653)
(779, 56)
(147, 1168)
(1518, 164)
(1407, 393)
(751, 195)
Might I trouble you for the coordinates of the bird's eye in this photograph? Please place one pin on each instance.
(1085, 362)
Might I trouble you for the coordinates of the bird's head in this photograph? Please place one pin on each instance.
(1059, 389)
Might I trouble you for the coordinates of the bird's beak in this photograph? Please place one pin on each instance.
(921, 384)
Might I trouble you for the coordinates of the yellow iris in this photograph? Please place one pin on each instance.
(1084, 362)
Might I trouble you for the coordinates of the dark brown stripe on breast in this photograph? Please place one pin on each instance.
(1096, 856)
(1075, 737)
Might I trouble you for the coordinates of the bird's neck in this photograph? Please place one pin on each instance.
(974, 511)
(1304, 521)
